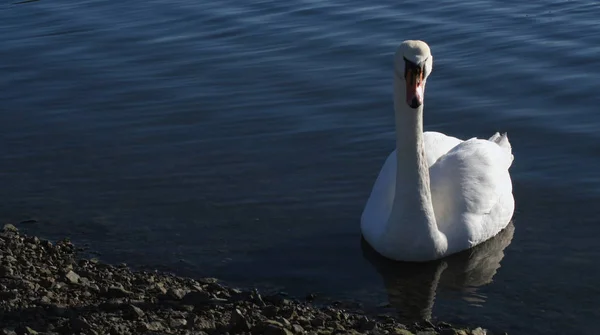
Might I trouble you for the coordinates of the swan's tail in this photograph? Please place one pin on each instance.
(502, 141)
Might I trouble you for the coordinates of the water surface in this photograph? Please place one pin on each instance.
(240, 139)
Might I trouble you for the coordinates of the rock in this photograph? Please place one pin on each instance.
(113, 305)
(46, 300)
(296, 328)
(154, 326)
(117, 292)
(204, 323)
(206, 281)
(277, 299)
(176, 294)
(25, 331)
(288, 313)
(50, 288)
(6, 271)
(444, 325)
(72, 277)
(134, 312)
(80, 324)
(304, 322)
(257, 298)
(364, 324)
(9, 228)
(197, 298)
(451, 331)
(272, 329)
(400, 331)
(317, 322)
(160, 287)
(270, 311)
(177, 323)
(273, 323)
(8, 295)
(57, 310)
(59, 285)
(47, 282)
(118, 329)
(238, 322)
(235, 291)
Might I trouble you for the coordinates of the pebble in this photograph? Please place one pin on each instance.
(134, 312)
(72, 277)
(46, 287)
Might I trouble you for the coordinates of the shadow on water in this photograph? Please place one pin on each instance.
(412, 287)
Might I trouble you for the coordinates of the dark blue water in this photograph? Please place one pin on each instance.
(240, 139)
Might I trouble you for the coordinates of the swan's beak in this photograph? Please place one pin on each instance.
(415, 88)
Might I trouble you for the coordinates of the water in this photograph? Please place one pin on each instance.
(240, 139)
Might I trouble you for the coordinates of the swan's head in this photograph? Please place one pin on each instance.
(412, 64)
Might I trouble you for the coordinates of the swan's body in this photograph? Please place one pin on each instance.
(435, 194)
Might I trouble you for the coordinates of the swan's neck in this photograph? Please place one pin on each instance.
(413, 195)
(412, 211)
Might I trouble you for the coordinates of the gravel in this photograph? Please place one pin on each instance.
(46, 288)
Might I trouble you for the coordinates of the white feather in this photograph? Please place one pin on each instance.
(452, 194)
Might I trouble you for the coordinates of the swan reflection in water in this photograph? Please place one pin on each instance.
(411, 287)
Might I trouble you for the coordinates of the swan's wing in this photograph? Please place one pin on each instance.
(502, 141)
(437, 145)
(380, 201)
(471, 191)
(379, 205)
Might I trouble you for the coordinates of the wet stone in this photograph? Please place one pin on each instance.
(270, 311)
(176, 294)
(134, 312)
(364, 324)
(80, 324)
(72, 277)
(6, 271)
(117, 292)
(451, 332)
(152, 326)
(10, 228)
(51, 289)
(119, 329)
(177, 323)
(238, 322)
(196, 298)
(297, 329)
(276, 330)
(204, 323)
(317, 322)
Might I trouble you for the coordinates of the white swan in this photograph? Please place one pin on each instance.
(435, 194)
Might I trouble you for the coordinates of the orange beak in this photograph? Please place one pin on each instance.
(414, 87)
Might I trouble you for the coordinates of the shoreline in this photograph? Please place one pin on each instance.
(50, 288)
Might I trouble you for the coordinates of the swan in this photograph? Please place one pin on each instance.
(435, 195)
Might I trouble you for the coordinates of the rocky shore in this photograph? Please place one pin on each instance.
(47, 288)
